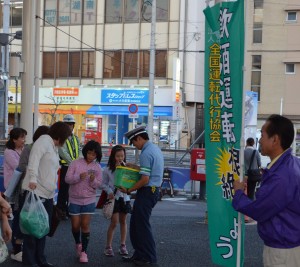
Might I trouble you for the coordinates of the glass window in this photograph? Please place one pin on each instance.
(257, 33)
(88, 64)
(74, 64)
(89, 12)
(162, 10)
(258, 4)
(50, 14)
(291, 16)
(64, 12)
(48, 64)
(160, 63)
(68, 64)
(130, 64)
(76, 12)
(256, 74)
(112, 64)
(290, 68)
(131, 10)
(62, 64)
(16, 16)
(144, 63)
(113, 11)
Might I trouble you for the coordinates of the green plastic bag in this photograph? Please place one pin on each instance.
(34, 218)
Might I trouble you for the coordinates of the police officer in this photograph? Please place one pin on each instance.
(151, 170)
(69, 152)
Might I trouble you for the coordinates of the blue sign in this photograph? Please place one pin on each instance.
(125, 96)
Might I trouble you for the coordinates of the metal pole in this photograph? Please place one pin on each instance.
(28, 57)
(152, 72)
(5, 65)
(16, 103)
(37, 66)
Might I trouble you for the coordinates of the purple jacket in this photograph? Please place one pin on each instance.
(83, 192)
(277, 205)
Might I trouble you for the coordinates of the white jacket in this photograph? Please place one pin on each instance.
(42, 167)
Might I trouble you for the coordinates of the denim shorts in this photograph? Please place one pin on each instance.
(75, 209)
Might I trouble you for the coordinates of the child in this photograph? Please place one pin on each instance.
(122, 201)
(84, 176)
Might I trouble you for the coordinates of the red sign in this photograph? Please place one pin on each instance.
(68, 91)
(133, 108)
(198, 164)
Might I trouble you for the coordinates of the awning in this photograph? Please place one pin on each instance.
(123, 110)
(65, 109)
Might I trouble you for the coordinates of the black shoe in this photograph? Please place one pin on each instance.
(128, 259)
(46, 264)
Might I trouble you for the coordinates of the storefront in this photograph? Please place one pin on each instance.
(103, 113)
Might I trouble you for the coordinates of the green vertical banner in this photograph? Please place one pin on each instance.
(224, 60)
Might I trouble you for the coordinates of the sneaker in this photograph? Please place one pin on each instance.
(17, 257)
(123, 250)
(83, 257)
(109, 252)
(78, 249)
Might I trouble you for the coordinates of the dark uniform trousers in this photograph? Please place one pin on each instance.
(140, 229)
(63, 193)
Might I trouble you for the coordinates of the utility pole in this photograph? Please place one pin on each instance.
(152, 72)
(4, 72)
(28, 58)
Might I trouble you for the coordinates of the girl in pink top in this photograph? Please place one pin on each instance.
(84, 176)
(14, 147)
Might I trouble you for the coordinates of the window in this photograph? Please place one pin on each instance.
(256, 74)
(88, 64)
(160, 63)
(258, 21)
(70, 12)
(289, 68)
(135, 10)
(134, 64)
(113, 11)
(16, 16)
(48, 64)
(291, 16)
(112, 64)
(257, 33)
(68, 64)
(130, 64)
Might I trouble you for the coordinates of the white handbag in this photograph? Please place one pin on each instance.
(3, 249)
(108, 208)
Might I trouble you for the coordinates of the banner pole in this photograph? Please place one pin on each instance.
(242, 141)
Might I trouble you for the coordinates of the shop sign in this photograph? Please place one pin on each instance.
(125, 96)
(66, 95)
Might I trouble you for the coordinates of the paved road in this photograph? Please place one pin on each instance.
(181, 236)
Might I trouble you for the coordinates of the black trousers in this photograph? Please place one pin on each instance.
(63, 193)
(140, 228)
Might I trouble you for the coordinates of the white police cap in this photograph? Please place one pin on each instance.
(135, 132)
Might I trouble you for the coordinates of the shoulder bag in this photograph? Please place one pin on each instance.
(254, 175)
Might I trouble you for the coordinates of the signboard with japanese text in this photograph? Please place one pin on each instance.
(125, 96)
(224, 60)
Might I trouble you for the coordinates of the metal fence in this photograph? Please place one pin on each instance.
(172, 157)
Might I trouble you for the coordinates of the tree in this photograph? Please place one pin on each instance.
(52, 111)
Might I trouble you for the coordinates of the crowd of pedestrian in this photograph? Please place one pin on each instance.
(56, 148)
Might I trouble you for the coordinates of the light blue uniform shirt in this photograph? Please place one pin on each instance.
(152, 163)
